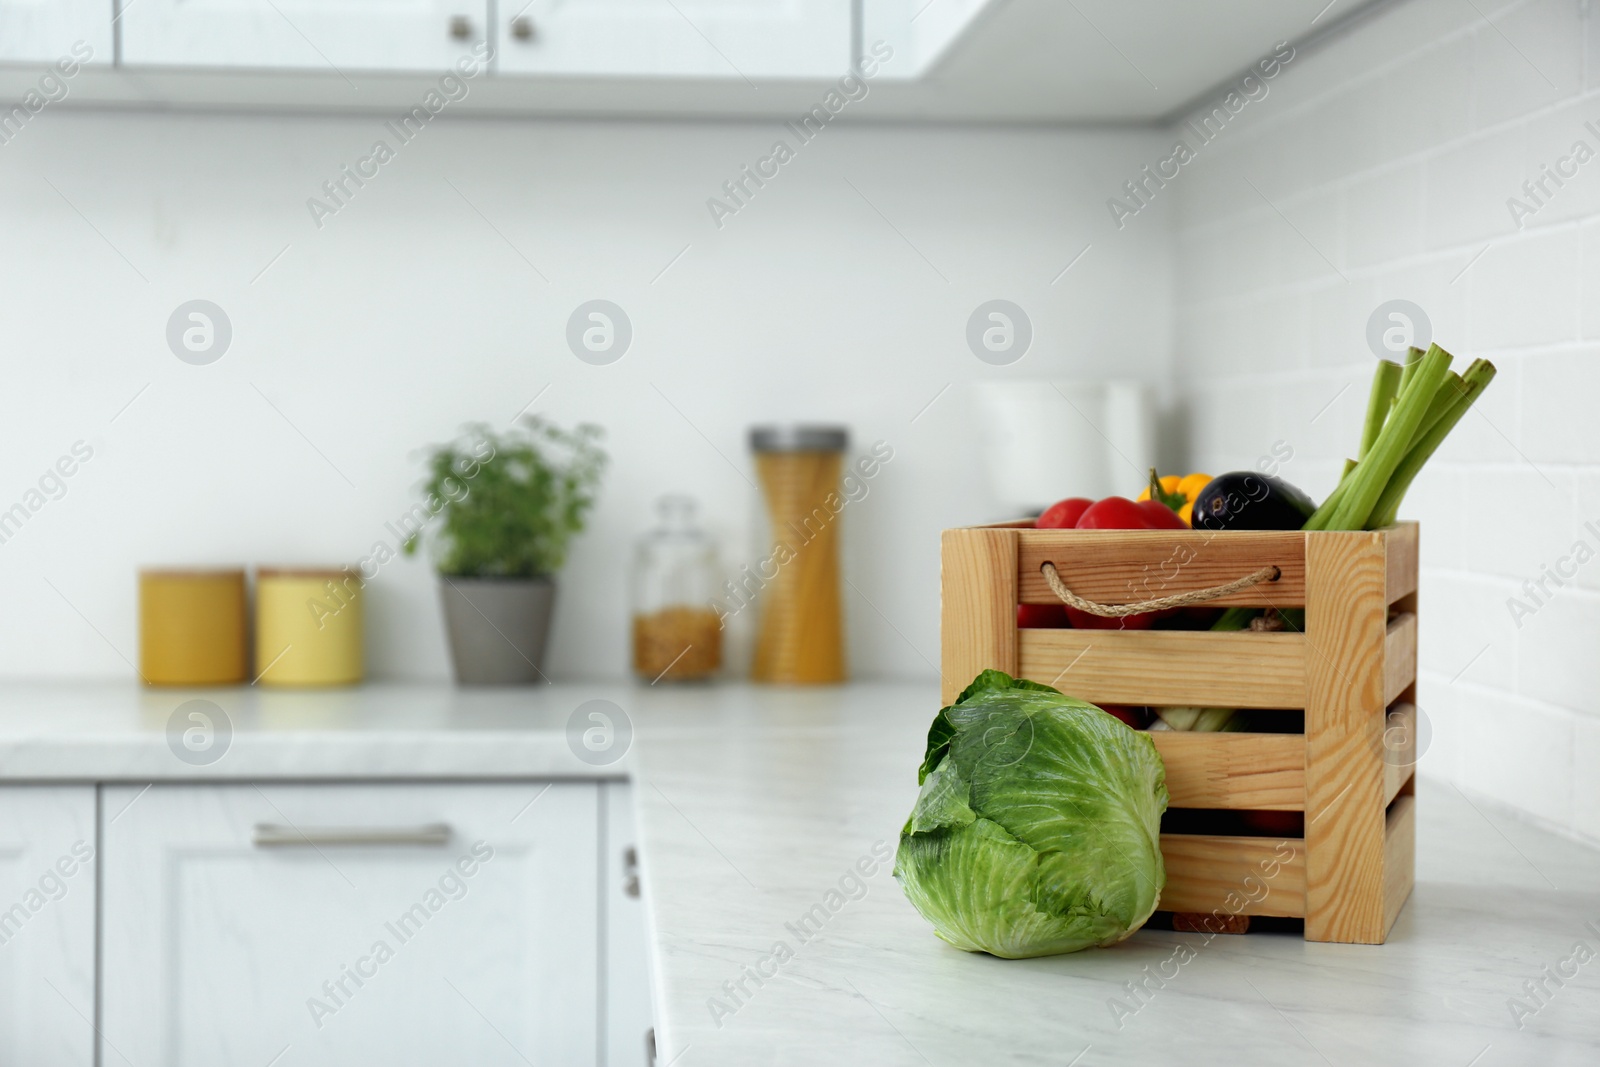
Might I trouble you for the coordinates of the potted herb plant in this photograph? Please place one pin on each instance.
(504, 509)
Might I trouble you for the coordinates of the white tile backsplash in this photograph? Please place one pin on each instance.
(1481, 647)
(1413, 129)
(1466, 186)
(1543, 314)
(1518, 519)
(1556, 660)
(1561, 388)
(1383, 217)
(1525, 59)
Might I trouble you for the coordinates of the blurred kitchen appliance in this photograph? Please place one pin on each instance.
(1044, 441)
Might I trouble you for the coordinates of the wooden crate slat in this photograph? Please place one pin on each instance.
(1399, 857)
(1263, 772)
(1123, 566)
(1346, 613)
(978, 606)
(1399, 656)
(1168, 668)
(1206, 874)
(1399, 749)
(1401, 564)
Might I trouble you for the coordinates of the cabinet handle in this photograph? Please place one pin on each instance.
(460, 27)
(522, 28)
(271, 835)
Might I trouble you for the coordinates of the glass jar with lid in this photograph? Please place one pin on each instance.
(677, 634)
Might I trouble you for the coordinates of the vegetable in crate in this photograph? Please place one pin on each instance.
(1037, 830)
(1201, 720)
(1042, 617)
(1112, 513)
(1063, 514)
(1177, 493)
(1248, 500)
(1119, 513)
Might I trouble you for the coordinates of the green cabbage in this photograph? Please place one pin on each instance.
(1037, 830)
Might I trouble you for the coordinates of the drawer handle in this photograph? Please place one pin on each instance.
(630, 872)
(271, 835)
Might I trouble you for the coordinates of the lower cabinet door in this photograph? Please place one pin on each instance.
(47, 885)
(628, 1033)
(346, 924)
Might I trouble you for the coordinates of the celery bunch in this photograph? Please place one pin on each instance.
(1410, 411)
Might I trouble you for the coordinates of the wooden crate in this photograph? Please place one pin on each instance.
(1353, 671)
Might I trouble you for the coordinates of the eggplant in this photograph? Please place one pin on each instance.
(1249, 500)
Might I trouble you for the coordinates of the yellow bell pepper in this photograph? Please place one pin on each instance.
(1177, 492)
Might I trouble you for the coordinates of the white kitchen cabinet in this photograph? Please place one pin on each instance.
(414, 923)
(627, 1007)
(694, 38)
(323, 35)
(45, 31)
(47, 908)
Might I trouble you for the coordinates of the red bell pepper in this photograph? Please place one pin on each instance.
(1063, 514)
(1113, 513)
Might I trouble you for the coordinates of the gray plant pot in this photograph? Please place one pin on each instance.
(497, 628)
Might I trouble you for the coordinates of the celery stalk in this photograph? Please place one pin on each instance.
(1319, 518)
(1413, 361)
(1394, 441)
(1385, 384)
(1474, 382)
(1442, 401)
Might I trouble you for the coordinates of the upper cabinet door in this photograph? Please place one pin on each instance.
(747, 39)
(326, 35)
(350, 924)
(44, 31)
(47, 884)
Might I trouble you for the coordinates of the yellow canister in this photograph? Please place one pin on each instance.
(308, 627)
(192, 627)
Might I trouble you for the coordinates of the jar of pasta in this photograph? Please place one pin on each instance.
(677, 634)
(801, 634)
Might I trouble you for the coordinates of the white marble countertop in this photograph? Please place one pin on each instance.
(756, 804)
(118, 731)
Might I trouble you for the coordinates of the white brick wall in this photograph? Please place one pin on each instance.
(1382, 160)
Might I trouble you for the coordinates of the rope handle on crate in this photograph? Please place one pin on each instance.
(1177, 600)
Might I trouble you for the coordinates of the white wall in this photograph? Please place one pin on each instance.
(1382, 164)
(408, 313)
